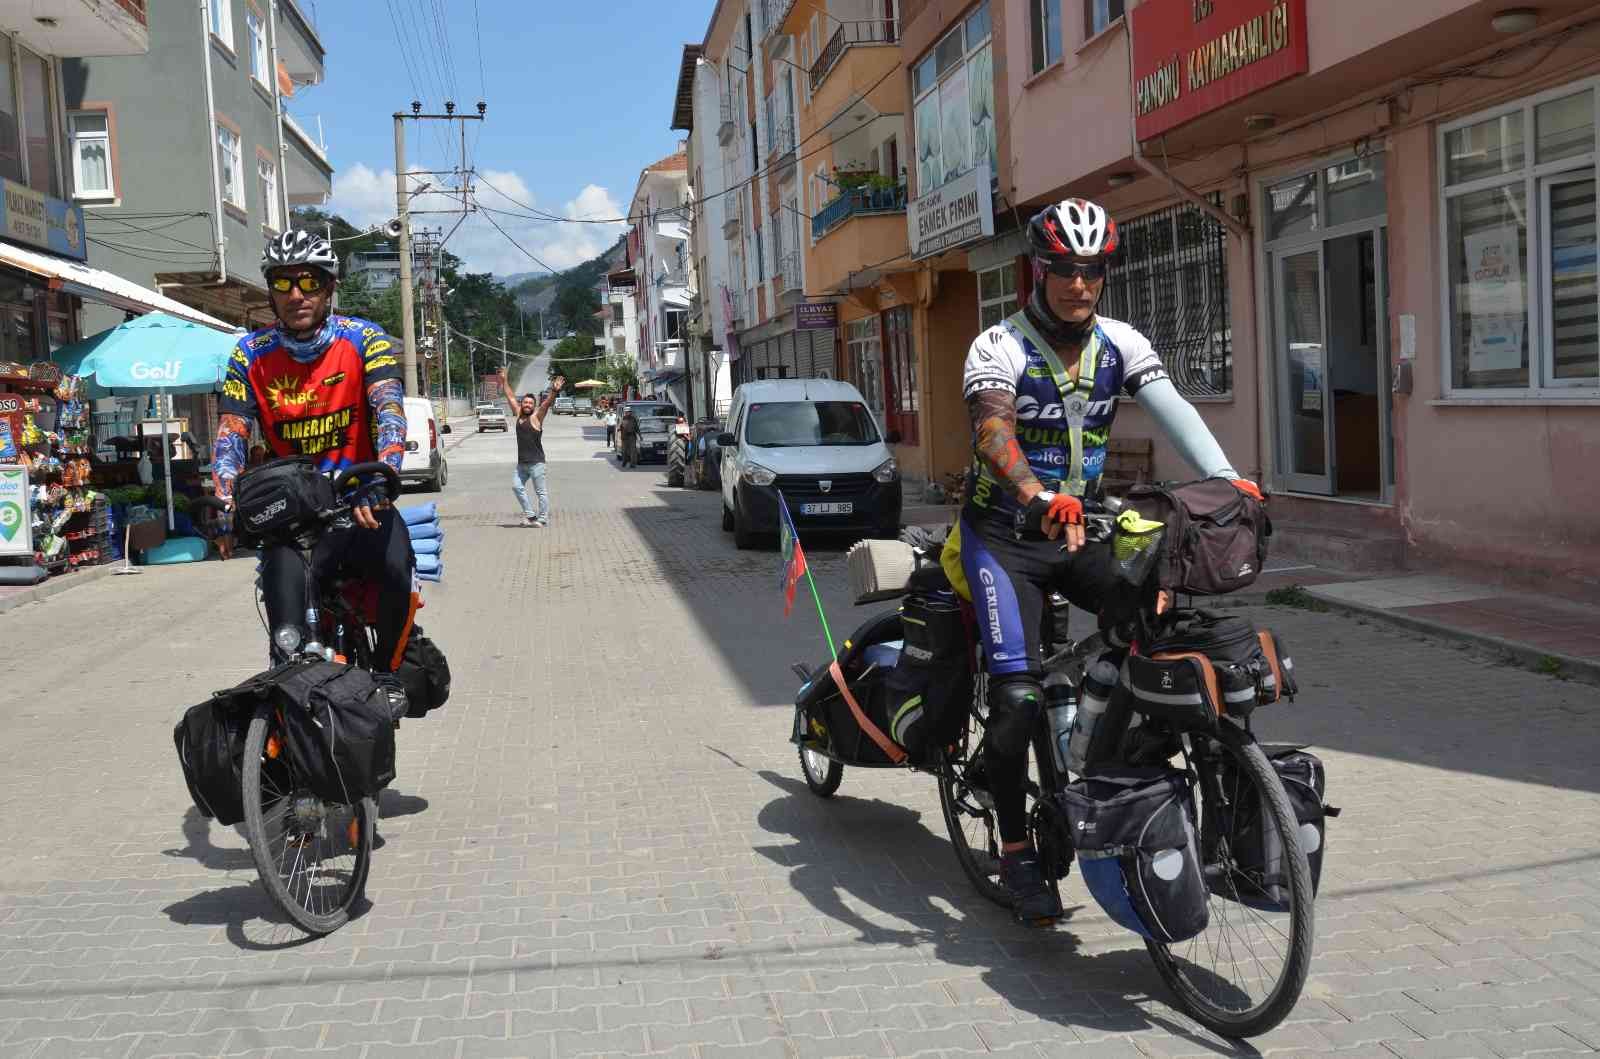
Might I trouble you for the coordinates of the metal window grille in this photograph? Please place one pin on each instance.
(1170, 280)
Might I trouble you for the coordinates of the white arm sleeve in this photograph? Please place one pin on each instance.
(1179, 420)
(995, 361)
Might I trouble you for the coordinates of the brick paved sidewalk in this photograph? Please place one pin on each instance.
(603, 846)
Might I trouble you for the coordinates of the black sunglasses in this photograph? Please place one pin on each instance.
(1088, 271)
(308, 283)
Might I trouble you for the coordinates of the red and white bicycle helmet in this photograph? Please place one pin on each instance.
(1072, 228)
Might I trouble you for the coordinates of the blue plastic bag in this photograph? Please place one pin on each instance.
(416, 513)
(424, 530)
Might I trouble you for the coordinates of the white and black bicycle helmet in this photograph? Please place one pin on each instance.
(299, 247)
(1072, 228)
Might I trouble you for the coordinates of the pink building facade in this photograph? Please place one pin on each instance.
(1390, 310)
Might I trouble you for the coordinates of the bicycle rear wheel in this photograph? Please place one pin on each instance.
(969, 810)
(1243, 974)
(313, 856)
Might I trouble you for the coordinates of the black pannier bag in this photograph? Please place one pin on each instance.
(337, 729)
(929, 690)
(1216, 540)
(824, 717)
(1205, 665)
(1136, 849)
(210, 742)
(1262, 880)
(280, 499)
(426, 674)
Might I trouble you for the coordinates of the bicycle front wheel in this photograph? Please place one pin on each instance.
(1243, 974)
(968, 808)
(313, 856)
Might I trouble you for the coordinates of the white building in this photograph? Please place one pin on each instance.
(663, 267)
(698, 111)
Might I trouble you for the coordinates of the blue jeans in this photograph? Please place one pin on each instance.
(519, 485)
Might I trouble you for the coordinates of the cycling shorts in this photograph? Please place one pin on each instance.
(1009, 581)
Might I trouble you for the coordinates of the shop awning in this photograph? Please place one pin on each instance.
(99, 285)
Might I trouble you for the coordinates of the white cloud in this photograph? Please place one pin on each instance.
(365, 197)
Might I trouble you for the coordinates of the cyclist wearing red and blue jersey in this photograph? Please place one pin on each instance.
(1041, 389)
(326, 387)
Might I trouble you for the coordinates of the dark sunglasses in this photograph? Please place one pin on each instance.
(308, 283)
(1088, 271)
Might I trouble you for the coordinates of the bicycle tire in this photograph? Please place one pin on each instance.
(325, 916)
(1281, 999)
(957, 803)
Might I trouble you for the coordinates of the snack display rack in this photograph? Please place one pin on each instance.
(49, 434)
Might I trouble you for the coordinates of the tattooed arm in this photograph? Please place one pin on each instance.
(994, 429)
(387, 400)
(237, 410)
(228, 453)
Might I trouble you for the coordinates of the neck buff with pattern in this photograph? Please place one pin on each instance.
(1057, 330)
(308, 349)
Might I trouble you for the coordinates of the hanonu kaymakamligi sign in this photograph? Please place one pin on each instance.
(1193, 56)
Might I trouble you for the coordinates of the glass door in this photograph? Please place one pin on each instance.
(1303, 398)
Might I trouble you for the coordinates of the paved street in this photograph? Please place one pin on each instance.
(603, 846)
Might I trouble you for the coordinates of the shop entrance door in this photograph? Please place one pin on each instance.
(1329, 304)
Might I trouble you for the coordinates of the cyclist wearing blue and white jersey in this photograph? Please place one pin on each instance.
(1042, 388)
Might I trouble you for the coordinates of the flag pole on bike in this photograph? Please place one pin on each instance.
(794, 566)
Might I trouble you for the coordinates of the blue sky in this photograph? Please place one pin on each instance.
(580, 96)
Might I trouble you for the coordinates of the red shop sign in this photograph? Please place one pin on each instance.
(1193, 56)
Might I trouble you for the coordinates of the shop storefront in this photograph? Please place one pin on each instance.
(1408, 325)
(62, 454)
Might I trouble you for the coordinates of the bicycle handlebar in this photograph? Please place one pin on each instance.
(391, 483)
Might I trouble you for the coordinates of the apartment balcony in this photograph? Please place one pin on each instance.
(308, 174)
(79, 29)
(877, 32)
(732, 217)
(726, 126)
(780, 159)
(299, 47)
(856, 202)
(741, 307)
(790, 275)
(853, 233)
(775, 12)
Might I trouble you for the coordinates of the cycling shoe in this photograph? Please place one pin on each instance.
(1033, 900)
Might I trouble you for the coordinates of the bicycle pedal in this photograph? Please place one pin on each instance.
(1038, 922)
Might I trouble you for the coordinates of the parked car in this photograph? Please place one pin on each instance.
(582, 406)
(816, 440)
(563, 407)
(491, 417)
(423, 459)
(657, 419)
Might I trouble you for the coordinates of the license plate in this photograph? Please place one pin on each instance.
(843, 507)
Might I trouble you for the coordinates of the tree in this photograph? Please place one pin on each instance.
(574, 358)
(575, 308)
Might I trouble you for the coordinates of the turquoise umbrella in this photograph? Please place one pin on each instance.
(154, 353)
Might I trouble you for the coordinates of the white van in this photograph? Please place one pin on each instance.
(817, 441)
(423, 460)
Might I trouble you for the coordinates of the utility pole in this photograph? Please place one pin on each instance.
(403, 203)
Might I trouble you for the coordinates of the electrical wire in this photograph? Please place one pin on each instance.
(538, 214)
(530, 254)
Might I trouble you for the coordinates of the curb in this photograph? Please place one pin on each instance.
(1586, 670)
(57, 585)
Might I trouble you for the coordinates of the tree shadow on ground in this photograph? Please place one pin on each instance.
(861, 861)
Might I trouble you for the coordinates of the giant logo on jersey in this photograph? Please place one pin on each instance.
(1029, 409)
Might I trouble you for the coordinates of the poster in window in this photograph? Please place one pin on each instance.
(930, 170)
(1495, 299)
(981, 93)
(955, 124)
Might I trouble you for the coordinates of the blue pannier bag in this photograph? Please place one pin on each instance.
(1137, 851)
